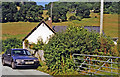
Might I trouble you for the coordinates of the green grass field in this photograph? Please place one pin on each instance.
(21, 29)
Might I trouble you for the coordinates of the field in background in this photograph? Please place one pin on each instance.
(17, 29)
(21, 29)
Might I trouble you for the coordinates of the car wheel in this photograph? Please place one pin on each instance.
(13, 65)
(3, 62)
(35, 67)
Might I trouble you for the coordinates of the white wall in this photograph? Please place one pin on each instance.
(23, 45)
(41, 32)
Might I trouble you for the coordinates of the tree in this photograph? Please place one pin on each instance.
(9, 10)
(83, 11)
(17, 17)
(31, 13)
(35, 12)
(59, 12)
(72, 18)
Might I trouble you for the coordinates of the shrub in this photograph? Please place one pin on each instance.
(11, 43)
(72, 18)
(106, 47)
(38, 46)
(59, 50)
(79, 18)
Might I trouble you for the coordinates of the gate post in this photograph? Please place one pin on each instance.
(111, 64)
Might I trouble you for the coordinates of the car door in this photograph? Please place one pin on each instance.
(7, 57)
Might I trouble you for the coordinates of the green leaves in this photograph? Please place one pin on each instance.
(38, 46)
(15, 12)
(62, 45)
(11, 43)
(59, 50)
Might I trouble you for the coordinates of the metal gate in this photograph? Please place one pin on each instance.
(97, 65)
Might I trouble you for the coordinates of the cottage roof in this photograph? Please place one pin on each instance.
(63, 28)
(37, 27)
(59, 28)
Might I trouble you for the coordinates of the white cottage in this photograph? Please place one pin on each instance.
(43, 31)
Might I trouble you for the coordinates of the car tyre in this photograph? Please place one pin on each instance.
(35, 67)
(3, 62)
(13, 65)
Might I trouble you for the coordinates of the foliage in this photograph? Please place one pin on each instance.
(106, 47)
(29, 11)
(9, 10)
(11, 43)
(111, 7)
(83, 11)
(59, 50)
(59, 12)
(26, 43)
(38, 46)
(72, 18)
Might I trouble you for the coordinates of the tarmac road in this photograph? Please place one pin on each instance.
(7, 70)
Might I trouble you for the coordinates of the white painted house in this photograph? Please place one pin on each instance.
(42, 31)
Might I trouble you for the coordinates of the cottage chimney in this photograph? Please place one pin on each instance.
(49, 22)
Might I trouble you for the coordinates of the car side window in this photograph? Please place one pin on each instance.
(8, 51)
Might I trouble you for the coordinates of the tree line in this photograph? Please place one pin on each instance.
(81, 9)
(31, 12)
(17, 11)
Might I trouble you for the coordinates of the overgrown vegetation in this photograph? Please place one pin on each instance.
(59, 50)
(11, 43)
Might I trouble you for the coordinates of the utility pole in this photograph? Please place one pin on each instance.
(51, 9)
(101, 17)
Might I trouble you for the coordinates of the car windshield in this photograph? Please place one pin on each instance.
(21, 52)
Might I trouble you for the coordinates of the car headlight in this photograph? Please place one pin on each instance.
(19, 61)
(36, 60)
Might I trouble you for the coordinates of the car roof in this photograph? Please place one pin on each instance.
(18, 49)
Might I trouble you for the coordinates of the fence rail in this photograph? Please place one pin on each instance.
(96, 64)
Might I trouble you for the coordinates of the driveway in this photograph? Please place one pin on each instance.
(25, 72)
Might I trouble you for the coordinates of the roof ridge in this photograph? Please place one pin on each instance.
(37, 27)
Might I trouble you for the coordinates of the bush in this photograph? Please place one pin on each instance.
(96, 11)
(11, 43)
(59, 50)
(72, 18)
(106, 47)
(79, 18)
